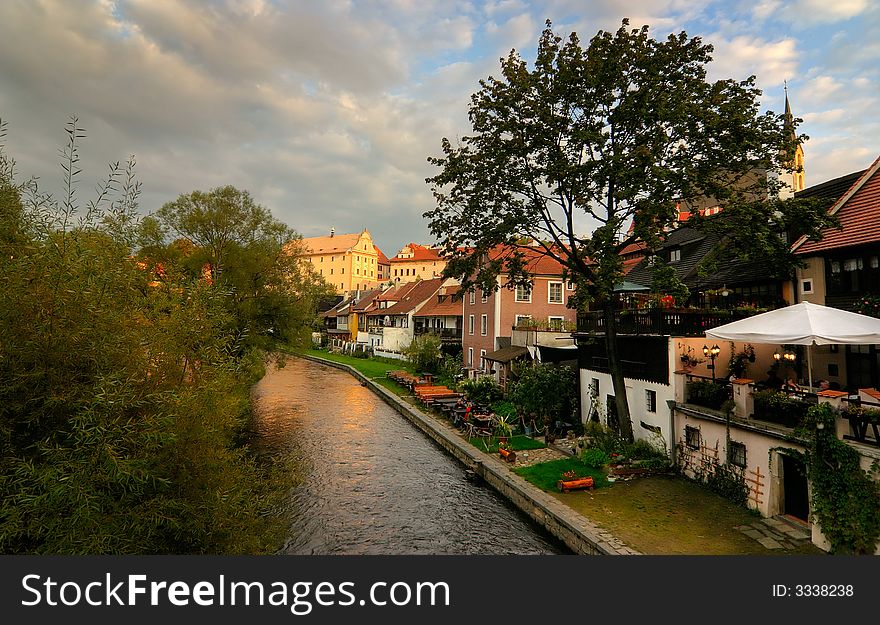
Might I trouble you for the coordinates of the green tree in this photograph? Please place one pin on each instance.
(565, 156)
(424, 353)
(121, 411)
(272, 291)
(545, 393)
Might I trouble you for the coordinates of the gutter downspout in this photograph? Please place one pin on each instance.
(671, 404)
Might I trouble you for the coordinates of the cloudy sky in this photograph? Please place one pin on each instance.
(326, 111)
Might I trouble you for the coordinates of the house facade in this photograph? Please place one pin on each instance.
(489, 317)
(392, 322)
(348, 262)
(416, 262)
(442, 315)
(842, 268)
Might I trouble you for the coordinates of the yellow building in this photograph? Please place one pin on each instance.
(416, 262)
(348, 262)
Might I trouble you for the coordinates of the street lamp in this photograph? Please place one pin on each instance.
(712, 354)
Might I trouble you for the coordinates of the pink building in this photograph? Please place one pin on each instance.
(489, 318)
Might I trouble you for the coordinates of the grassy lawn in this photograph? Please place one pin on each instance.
(670, 515)
(516, 443)
(545, 474)
(370, 367)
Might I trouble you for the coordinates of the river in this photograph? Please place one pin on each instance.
(372, 483)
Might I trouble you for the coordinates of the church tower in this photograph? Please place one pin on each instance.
(797, 176)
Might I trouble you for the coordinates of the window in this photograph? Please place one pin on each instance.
(343, 270)
(484, 324)
(651, 400)
(692, 437)
(651, 260)
(482, 360)
(833, 369)
(484, 296)
(522, 320)
(554, 292)
(556, 324)
(594, 387)
(331, 271)
(806, 286)
(471, 325)
(473, 299)
(471, 354)
(736, 454)
(570, 285)
(675, 255)
(523, 294)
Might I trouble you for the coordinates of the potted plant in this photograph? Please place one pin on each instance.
(503, 428)
(689, 360)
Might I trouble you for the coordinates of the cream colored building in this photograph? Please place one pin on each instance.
(348, 262)
(416, 262)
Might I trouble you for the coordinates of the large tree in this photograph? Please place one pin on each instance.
(271, 290)
(565, 156)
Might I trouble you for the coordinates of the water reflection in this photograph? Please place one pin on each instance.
(373, 484)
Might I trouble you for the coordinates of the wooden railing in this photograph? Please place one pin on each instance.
(864, 421)
(660, 321)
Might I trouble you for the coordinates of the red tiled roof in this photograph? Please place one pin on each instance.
(450, 306)
(536, 260)
(859, 213)
(420, 253)
(366, 301)
(423, 290)
(395, 294)
(383, 260)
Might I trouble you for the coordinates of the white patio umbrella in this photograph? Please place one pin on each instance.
(803, 324)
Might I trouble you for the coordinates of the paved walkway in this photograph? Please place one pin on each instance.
(776, 533)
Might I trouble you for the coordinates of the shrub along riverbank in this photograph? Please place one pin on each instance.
(124, 384)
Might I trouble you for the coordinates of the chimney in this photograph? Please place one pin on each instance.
(332, 231)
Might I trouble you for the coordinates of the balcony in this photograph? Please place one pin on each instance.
(557, 325)
(661, 322)
(445, 334)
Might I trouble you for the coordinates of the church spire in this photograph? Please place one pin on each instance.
(797, 181)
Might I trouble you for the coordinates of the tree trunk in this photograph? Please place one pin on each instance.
(616, 367)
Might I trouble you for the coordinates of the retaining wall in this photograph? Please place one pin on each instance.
(574, 530)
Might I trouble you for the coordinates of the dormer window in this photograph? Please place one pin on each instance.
(675, 255)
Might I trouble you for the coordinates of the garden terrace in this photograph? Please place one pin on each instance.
(659, 321)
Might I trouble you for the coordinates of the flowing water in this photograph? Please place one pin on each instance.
(372, 483)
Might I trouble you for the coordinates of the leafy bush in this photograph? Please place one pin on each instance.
(594, 458)
(546, 392)
(124, 390)
(483, 390)
(424, 353)
(604, 438)
(646, 450)
(777, 407)
(450, 372)
(845, 498)
(707, 393)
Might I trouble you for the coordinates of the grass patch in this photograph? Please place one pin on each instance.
(516, 443)
(544, 475)
(370, 367)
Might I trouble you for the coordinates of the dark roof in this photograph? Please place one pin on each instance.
(695, 246)
(831, 189)
(506, 354)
